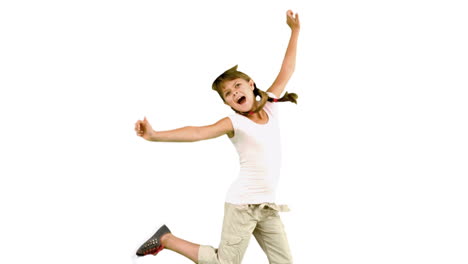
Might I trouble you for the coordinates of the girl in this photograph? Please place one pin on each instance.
(250, 203)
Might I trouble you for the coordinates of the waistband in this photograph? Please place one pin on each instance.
(276, 207)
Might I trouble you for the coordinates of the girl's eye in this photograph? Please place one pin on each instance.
(227, 94)
(237, 84)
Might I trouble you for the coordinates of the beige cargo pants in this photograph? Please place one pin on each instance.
(240, 222)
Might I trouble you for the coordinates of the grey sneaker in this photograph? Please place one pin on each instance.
(153, 245)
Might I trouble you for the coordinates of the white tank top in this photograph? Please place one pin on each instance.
(259, 149)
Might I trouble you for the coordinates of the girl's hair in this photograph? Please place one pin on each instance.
(233, 74)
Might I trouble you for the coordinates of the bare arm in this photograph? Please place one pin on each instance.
(289, 62)
(184, 134)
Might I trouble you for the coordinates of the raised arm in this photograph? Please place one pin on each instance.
(184, 134)
(289, 62)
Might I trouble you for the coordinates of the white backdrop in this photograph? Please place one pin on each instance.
(375, 152)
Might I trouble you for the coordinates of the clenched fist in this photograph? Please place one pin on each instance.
(144, 129)
(293, 21)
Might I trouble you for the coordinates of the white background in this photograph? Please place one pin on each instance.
(375, 152)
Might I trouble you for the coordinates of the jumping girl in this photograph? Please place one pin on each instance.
(250, 202)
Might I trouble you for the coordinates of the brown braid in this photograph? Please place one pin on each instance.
(233, 73)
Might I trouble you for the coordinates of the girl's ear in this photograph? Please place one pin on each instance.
(251, 84)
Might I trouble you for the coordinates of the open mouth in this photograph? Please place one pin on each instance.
(241, 100)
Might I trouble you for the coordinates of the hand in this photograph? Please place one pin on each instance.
(144, 129)
(293, 21)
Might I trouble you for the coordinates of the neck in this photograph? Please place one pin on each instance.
(260, 115)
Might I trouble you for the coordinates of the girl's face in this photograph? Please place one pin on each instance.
(238, 94)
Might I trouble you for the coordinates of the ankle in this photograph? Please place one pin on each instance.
(165, 239)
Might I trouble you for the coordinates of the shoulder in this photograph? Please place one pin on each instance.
(272, 108)
(272, 95)
(223, 126)
(227, 125)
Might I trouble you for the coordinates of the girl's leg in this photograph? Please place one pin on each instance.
(237, 229)
(238, 226)
(183, 247)
(271, 236)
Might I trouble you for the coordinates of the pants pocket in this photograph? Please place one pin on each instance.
(233, 241)
(232, 249)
